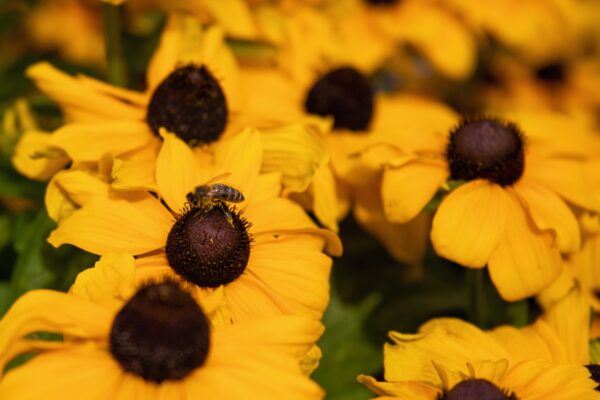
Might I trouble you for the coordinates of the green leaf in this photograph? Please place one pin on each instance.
(595, 351)
(346, 351)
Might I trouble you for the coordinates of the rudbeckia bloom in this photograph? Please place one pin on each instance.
(421, 25)
(193, 92)
(153, 343)
(342, 96)
(265, 255)
(452, 359)
(514, 180)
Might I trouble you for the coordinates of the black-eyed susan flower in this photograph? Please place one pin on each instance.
(192, 92)
(70, 27)
(264, 253)
(420, 25)
(151, 342)
(452, 359)
(514, 178)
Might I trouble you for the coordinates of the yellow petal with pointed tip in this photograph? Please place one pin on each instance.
(470, 222)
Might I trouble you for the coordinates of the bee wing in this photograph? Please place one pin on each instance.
(217, 178)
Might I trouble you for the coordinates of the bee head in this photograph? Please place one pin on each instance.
(192, 199)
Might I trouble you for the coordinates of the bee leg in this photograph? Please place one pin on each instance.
(228, 216)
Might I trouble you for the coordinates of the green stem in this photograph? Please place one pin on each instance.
(477, 301)
(117, 72)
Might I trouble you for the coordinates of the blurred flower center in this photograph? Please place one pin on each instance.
(345, 94)
(595, 372)
(552, 73)
(209, 248)
(486, 149)
(477, 389)
(382, 2)
(160, 334)
(191, 104)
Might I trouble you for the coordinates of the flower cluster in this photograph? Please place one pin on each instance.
(214, 183)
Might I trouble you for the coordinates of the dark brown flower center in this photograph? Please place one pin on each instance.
(477, 389)
(189, 103)
(160, 334)
(485, 148)
(345, 94)
(207, 247)
(595, 374)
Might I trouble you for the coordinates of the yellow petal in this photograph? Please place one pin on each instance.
(567, 178)
(36, 158)
(79, 373)
(116, 226)
(240, 155)
(81, 187)
(574, 335)
(177, 172)
(405, 242)
(525, 260)
(295, 268)
(136, 170)
(408, 390)
(325, 203)
(234, 15)
(447, 341)
(79, 100)
(296, 151)
(550, 212)
(283, 217)
(249, 299)
(69, 315)
(470, 222)
(425, 26)
(110, 280)
(89, 142)
(406, 190)
(537, 379)
(536, 341)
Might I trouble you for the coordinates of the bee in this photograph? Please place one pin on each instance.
(210, 195)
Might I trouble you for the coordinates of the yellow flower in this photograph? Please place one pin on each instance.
(511, 212)
(519, 25)
(193, 91)
(153, 343)
(71, 27)
(265, 255)
(421, 25)
(448, 356)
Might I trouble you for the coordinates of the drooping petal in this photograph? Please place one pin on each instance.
(36, 158)
(525, 260)
(89, 142)
(407, 189)
(177, 172)
(550, 212)
(409, 390)
(116, 226)
(78, 373)
(470, 222)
